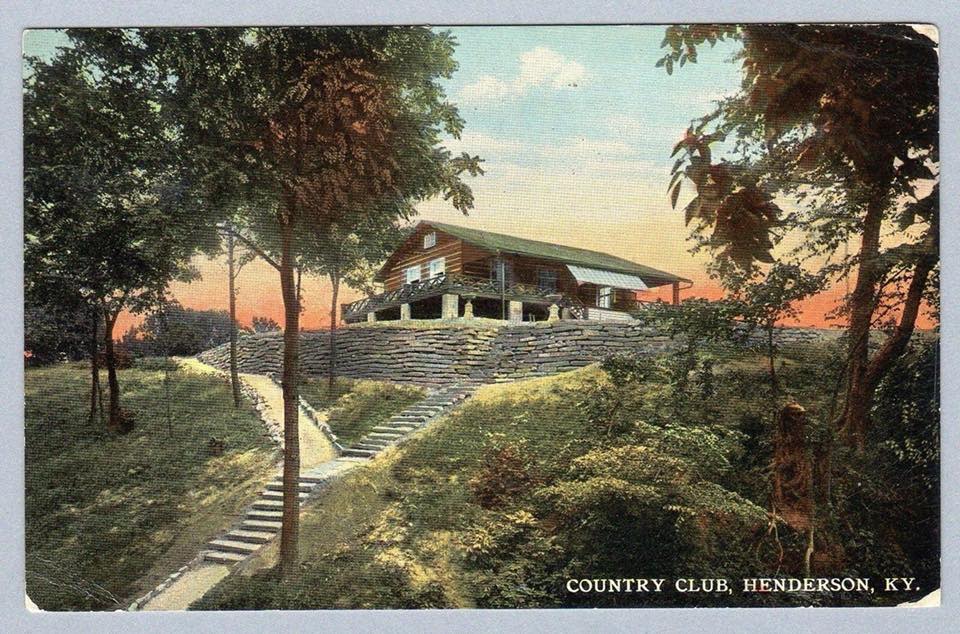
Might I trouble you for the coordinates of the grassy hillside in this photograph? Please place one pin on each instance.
(107, 516)
(388, 536)
(356, 406)
(637, 469)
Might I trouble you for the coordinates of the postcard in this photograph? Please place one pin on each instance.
(409, 317)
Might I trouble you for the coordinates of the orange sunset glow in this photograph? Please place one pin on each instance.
(663, 246)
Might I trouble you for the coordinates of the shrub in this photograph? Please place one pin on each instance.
(506, 472)
(178, 331)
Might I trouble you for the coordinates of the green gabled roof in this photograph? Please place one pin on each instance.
(558, 252)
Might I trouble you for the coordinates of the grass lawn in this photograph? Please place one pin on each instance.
(356, 406)
(108, 516)
(388, 535)
(398, 533)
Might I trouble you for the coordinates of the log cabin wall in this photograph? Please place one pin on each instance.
(412, 253)
(467, 259)
(477, 262)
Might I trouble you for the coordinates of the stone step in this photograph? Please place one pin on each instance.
(359, 453)
(254, 537)
(372, 446)
(311, 479)
(277, 485)
(230, 546)
(385, 435)
(406, 416)
(272, 526)
(268, 504)
(400, 430)
(221, 557)
(261, 514)
(270, 494)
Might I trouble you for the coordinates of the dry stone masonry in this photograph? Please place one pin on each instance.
(444, 354)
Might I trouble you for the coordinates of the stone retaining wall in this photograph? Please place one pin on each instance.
(435, 356)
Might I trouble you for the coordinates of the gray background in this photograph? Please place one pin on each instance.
(16, 15)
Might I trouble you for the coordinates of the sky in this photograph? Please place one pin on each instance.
(575, 126)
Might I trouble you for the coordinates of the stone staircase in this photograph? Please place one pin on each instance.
(262, 520)
(395, 430)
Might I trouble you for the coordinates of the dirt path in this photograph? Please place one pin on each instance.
(188, 588)
(315, 449)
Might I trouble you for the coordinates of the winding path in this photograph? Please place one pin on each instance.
(186, 586)
(321, 464)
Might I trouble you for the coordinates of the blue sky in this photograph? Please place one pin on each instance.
(608, 88)
(575, 125)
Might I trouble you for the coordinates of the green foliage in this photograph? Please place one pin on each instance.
(105, 215)
(531, 484)
(265, 324)
(108, 516)
(175, 330)
(355, 407)
(53, 332)
(506, 473)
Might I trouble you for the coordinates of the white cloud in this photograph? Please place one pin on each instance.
(538, 68)
(625, 126)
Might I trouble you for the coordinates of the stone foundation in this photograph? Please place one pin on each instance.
(436, 356)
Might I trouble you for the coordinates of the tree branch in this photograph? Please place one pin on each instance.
(895, 345)
(250, 244)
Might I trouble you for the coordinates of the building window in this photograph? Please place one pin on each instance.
(604, 297)
(495, 265)
(438, 267)
(430, 240)
(547, 280)
(413, 274)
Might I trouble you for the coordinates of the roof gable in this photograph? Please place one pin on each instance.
(560, 253)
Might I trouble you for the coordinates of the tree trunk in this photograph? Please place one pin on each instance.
(774, 385)
(94, 351)
(332, 363)
(289, 534)
(231, 275)
(114, 415)
(853, 420)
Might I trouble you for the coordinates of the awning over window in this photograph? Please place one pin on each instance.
(607, 278)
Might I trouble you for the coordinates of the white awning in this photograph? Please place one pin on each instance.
(607, 278)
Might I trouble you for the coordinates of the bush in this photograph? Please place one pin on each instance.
(51, 333)
(505, 473)
(178, 331)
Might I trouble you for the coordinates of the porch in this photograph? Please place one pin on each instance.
(452, 296)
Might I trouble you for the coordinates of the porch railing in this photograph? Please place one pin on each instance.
(460, 285)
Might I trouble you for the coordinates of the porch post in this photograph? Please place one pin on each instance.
(371, 317)
(404, 312)
(450, 308)
(516, 311)
(676, 293)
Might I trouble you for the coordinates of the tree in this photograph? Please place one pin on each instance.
(265, 324)
(104, 217)
(175, 330)
(306, 126)
(767, 299)
(842, 123)
(349, 252)
(234, 266)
